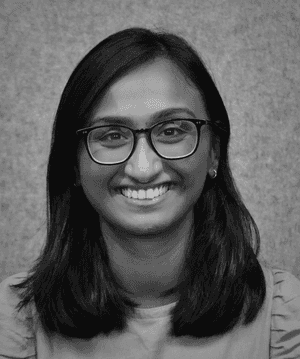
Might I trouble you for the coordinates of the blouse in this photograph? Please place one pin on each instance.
(275, 333)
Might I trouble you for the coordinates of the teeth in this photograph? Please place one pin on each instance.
(133, 194)
(142, 194)
(150, 193)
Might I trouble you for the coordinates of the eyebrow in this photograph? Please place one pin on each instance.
(154, 118)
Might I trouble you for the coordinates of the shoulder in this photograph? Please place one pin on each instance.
(7, 293)
(16, 329)
(285, 318)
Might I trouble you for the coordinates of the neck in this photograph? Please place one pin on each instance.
(150, 265)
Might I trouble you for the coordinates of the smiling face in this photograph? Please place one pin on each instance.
(138, 97)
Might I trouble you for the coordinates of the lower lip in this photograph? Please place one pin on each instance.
(147, 202)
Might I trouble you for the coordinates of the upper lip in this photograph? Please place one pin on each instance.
(145, 186)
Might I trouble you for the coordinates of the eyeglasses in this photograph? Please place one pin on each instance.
(113, 144)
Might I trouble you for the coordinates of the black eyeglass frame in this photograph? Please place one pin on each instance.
(84, 132)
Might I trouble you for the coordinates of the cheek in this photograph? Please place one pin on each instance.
(93, 177)
(194, 168)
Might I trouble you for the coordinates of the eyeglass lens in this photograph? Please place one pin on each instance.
(172, 139)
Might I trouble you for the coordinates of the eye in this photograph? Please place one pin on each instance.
(171, 131)
(110, 136)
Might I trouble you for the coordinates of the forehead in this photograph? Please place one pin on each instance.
(151, 88)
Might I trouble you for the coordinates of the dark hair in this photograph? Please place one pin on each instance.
(71, 283)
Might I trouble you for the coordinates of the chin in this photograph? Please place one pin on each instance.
(141, 226)
(147, 230)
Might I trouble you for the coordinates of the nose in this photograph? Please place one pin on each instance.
(144, 164)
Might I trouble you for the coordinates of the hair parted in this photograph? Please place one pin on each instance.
(71, 283)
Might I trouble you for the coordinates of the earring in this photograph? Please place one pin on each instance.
(214, 175)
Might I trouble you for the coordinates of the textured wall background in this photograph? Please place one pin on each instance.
(252, 48)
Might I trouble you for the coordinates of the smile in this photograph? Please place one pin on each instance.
(150, 193)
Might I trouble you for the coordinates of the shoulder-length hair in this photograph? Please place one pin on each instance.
(71, 283)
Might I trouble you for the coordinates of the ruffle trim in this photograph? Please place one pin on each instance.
(285, 318)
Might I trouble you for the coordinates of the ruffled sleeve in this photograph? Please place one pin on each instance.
(16, 329)
(285, 319)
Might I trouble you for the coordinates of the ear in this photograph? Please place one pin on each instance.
(214, 153)
(77, 181)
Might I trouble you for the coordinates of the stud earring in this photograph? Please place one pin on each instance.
(214, 175)
(76, 184)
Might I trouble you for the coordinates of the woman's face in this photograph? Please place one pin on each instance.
(138, 97)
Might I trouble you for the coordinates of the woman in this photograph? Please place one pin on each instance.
(150, 250)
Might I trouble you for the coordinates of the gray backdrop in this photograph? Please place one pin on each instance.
(252, 49)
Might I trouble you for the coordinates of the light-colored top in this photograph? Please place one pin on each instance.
(274, 334)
